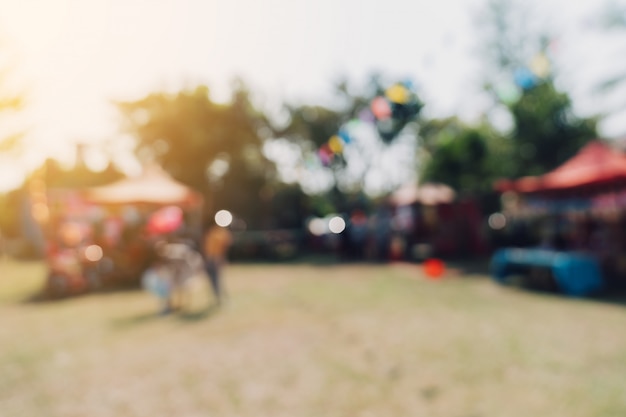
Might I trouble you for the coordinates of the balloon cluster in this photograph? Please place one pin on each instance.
(394, 109)
(389, 112)
(525, 78)
(332, 150)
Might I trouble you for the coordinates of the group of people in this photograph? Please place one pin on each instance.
(178, 261)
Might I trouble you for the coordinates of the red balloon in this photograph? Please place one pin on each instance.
(165, 220)
(381, 108)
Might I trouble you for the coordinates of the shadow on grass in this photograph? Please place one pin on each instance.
(476, 267)
(151, 317)
(44, 296)
(612, 296)
(196, 316)
(136, 320)
(310, 259)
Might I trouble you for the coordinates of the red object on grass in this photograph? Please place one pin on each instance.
(434, 268)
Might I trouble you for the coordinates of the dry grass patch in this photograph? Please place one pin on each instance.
(306, 340)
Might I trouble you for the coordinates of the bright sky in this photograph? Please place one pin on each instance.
(74, 56)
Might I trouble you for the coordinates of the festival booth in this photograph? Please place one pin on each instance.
(105, 236)
(577, 214)
(435, 222)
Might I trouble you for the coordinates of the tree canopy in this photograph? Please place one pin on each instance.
(215, 148)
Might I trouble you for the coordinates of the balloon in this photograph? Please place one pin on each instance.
(553, 46)
(524, 78)
(381, 108)
(165, 220)
(343, 135)
(335, 144)
(385, 125)
(540, 65)
(509, 93)
(366, 115)
(402, 112)
(398, 93)
(352, 124)
(386, 130)
(325, 155)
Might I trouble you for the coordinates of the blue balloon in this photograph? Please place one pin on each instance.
(345, 137)
(524, 78)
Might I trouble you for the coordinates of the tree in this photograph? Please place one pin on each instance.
(215, 148)
(78, 176)
(467, 158)
(512, 35)
(11, 146)
(545, 131)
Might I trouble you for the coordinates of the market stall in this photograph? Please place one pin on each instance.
(432, 220)
(105, 235)
(577, 211)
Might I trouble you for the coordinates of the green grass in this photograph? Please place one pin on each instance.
(306, 340)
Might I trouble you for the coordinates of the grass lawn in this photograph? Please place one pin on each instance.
(312, 340)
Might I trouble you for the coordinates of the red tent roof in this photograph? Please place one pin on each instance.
(596, 163)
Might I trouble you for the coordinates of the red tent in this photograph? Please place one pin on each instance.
(596, 164)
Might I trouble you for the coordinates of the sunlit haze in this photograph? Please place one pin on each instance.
(73, 58)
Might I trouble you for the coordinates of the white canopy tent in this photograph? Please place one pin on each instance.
(153, 186)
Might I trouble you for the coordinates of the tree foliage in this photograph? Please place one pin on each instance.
(546, 130)
(467, 158)
(215, 148)
(11, 145)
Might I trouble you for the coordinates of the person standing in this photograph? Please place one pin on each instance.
(217, 241)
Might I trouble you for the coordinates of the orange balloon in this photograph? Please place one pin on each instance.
(434, 268)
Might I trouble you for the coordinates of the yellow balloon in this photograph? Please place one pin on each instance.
(540, 66)
(398, 93)
(335, 144)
